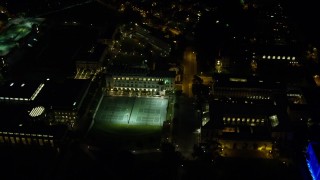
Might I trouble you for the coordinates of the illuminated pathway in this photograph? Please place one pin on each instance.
(190, 69)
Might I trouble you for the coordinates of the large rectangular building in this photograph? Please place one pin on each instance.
(244, 113)
(17, 92)
(24, 125)
(66, 101)
(138, 79)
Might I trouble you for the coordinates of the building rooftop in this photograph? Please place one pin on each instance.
(66, 94)
(91, 53)
(20, 90)
(123, 70)
(235, 112)
(227, 80)
(16, 118)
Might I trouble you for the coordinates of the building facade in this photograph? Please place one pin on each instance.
(153, 83)
(244, 113)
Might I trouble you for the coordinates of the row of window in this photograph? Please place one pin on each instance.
(64, 120)
(24, 134)
(243, 120)
(258, 97)
(69, 123)
(65, 113)
(14, 99)
(135, 89)
(249, 146)
(138, 79)
(293, 58)
(140, 83)
(34, 95)
(294, 95)
(65, 117)
(26, 140)
(136, 85)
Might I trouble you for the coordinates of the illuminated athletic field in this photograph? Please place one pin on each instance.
(131, 114)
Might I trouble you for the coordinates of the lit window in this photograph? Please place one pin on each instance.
(12, 140)
(46, 141)
(24, 140)
(18, 140)
(41, 142)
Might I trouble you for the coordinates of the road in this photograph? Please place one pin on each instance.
(185, 121)
(190, 69)
(184, 126)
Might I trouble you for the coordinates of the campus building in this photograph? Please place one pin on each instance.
(40, 113)
(20, 92)
(246, 114)
(66, 101)
(27, 125)
(289, 54)
(25, 119)
(124, 78)
(89, 61)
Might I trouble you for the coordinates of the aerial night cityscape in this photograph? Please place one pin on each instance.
(159, 90)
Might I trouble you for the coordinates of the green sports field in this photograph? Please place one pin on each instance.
(130, 115)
